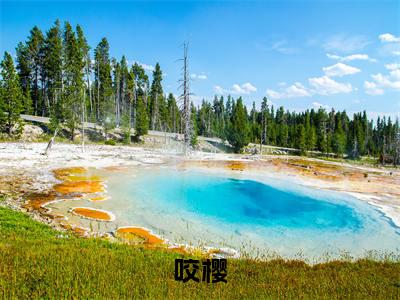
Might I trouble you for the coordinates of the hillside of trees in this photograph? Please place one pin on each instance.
(57, 74)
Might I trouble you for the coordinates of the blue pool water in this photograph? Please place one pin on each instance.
(243, 201)
(195, 207)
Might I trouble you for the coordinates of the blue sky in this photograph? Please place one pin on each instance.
(300, 54)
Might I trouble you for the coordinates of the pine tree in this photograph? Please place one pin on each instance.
(238, 135)
(36, 57)
(105, 106)
(11, 96)
(24, 74)
(194, 126)
(142, 121)
(312, 138)
(322, 130)
(156, 98)
(52, 73)
(339, 140)
(141, 84)
(128, 111)
(72, 81)
(255, 132)
(116, 67)
(173, 114)
(84, 55)
(301, 139)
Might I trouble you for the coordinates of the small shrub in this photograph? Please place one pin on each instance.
(110, 142)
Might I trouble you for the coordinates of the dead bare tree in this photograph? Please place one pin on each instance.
(83, 120)
(185, 97)
(51, 142)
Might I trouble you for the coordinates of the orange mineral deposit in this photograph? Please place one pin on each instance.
(140, 232)
(236, 165)
(64, 173)
(38, 200)
(79, 187)
(92, 213)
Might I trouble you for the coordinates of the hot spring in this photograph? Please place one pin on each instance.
(257, 216)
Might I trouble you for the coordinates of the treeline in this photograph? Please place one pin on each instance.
(56, 76)
(311, 130)
(60, 79)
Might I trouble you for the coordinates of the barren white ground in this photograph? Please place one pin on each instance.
(28, 159)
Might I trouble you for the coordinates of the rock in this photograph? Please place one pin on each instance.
(29, 132)
(115, 136)
(77, 134)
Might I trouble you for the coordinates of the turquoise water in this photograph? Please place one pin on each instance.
(242, 201)
(194, 207)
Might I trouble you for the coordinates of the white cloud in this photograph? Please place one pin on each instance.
(248, 87)
(340, 70)
(381, 82)
(237, 89)
(391, 44)
(374, 114)
(197, 100)
(394, 69)
(386, 81)
(389, 38)
(219, 90)
(198, 76)
(320, 86)
(318, 105)
(296, 90)
(274, 94)
(372, 89)
(392, 66)
(395, 74)
(327, 86)
(244, 89)
(146, 67)
(333, 56)
(281, 46)
(351, 57)
(345, 43)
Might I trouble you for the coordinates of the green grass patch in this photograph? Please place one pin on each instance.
(39, 262)
(110, 142)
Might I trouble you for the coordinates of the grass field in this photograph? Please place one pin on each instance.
(38, 262)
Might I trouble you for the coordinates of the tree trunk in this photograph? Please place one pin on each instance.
(51, 142)
(36, 91)
(83, 122)
(89, 87)
(134, 104)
